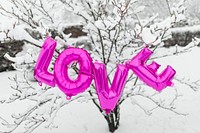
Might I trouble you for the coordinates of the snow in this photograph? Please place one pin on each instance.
(84, 117)
(139, 9)
(147, 36)
(192, 29)
(18, 33)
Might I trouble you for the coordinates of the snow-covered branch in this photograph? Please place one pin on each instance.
(115, 32)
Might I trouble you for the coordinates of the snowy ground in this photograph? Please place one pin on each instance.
(85, 118)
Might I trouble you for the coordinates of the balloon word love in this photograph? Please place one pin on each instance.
(108, 96)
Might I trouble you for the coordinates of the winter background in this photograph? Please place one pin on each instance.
(113, 31)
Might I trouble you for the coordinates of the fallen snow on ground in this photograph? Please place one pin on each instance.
(85, 118)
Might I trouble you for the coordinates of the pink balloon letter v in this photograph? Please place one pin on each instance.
(109, 97)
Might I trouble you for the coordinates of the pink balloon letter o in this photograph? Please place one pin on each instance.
(84, 79)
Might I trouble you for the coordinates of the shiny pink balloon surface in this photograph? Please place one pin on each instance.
(41, 68)
(108, 96)
(68, 86)
(148, 73)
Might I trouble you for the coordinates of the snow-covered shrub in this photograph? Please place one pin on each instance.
(115, 32)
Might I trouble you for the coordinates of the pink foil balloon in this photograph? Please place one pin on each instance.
(109, 97)
(68, 86)
(147, 73)
(41, 69)
(60, 76)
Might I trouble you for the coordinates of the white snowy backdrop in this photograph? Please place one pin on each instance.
(116, 31)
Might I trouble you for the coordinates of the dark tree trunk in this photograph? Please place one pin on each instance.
(113, 119)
